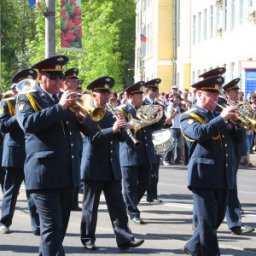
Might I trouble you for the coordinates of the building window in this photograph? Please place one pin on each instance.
(241, 12)
(205, 25)
(225, 15)
(148, 35)
(211, 22)
(144, 5)
(232, 66)
(199, 27)
(232, 14)
(250, 4)
(193, 77)
(194, 29)
(178, 23)
(218, 18)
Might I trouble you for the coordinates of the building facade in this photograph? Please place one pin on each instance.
(200, 35)
(155, 51)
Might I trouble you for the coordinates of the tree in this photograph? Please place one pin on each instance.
(17, 26)
(108, 39)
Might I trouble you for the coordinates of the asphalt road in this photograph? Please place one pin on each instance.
(168, 225)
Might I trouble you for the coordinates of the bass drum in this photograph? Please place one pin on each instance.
(162, 140)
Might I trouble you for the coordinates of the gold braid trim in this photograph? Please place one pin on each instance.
(33, 103)
(202, 121)
(11, 109)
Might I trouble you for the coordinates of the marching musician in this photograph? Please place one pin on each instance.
(136, 162)
(53, 151)
(13, 158)
(211, 165)
(151, 94)
(100, 171)
(71, 82)
(233, 215)
(174, 111)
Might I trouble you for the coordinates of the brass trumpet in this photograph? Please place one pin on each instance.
(245, 116)
(84, 106)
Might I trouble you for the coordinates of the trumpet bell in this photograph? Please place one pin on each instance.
(85, 106)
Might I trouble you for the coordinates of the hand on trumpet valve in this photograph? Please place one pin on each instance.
(68, 99)
(229, 113)
(119, 123)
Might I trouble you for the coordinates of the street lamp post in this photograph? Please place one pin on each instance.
(50, 29)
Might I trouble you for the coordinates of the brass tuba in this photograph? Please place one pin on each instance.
(85, 106)
(25, 86)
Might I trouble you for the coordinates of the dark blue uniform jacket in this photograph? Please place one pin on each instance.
(53, 142)
(100, 159)
(211, 149)
(13, 145)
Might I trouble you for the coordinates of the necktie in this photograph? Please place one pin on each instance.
(55, 98)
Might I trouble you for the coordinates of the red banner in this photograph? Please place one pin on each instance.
(71, 25)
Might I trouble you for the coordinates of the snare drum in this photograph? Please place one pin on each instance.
(162, 140)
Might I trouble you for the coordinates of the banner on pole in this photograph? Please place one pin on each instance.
(71, 25)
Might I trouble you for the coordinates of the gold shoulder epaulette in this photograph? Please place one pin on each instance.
(33, 102)
(11, 109)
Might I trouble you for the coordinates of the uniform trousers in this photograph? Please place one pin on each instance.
(12, 181)
(113, 195)
(233, 215)
(210, 207)
(2, 173)
(54, 207)
(136, 180)
(152, 189)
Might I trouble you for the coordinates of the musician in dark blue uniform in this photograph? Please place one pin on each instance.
(71, 82)
(100, 171)
(233, 215)
(53, 151)
(211, 165)
(151, 92)
(2, 172)
(13, 158)
(136, 163)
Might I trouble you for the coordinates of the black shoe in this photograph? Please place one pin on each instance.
(156, 200)
(138, 220)
(188, 252)
(133, 243)
(90, 246)
(76, 209)
(37, 232)
(241, 230)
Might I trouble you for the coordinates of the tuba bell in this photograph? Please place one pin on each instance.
(84, 106)
(25, 86)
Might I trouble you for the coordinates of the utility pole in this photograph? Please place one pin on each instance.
(50, 29)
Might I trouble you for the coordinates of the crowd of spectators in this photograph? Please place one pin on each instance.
(178, 101)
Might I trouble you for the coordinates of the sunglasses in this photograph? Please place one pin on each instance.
(54, 76)
(154, 89)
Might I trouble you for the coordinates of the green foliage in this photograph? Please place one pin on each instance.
(17, 26)
(107, 43)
